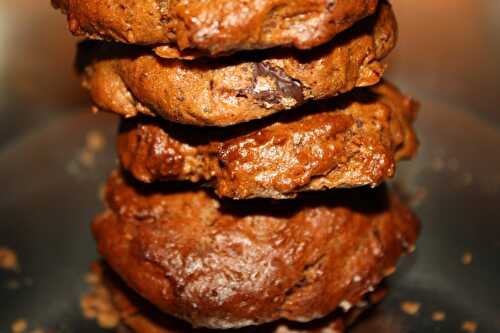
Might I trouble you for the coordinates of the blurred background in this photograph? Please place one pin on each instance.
(36, 78)
(448, 57)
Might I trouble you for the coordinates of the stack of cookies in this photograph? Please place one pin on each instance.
(253, 140)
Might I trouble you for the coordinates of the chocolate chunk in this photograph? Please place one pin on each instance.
(283, 85)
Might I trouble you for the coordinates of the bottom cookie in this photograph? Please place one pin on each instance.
(225, 264)
(117, 306)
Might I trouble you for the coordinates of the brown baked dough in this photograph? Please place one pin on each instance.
(139, 316)
(129, 80)
(352, 140)
(226, 264)
(214, 26)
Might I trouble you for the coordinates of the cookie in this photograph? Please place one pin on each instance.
(214, 26)
(222, 264)
(131, 80)
(349, 141)
(139, 316)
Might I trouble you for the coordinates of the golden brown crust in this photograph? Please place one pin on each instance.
(215, 26)
(353, 140)
(139, 316)
(131, 80)
(226, 264)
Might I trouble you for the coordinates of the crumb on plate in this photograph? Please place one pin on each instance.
(12, 284)
(91, 278)
(469, 326)
(438, 315)
(8, 259)
(95, 141)
(19, 326)
(467, 258)
(410, 308)
(96, 304)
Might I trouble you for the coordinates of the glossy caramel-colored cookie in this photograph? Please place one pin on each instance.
(131, 80)
(214, 26)
(225, 264)
(351, 140)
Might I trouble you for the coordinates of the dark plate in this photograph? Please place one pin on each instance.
(50, 193)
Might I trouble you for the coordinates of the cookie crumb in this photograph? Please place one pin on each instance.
(97, 303)
(95, 141)
(467, 258)
(438, 316)
(101, 192)
(8, 259)
(91, 278)
(469, 326)
(87, 158)
(410, 308)
(12, 285)
(19, 326)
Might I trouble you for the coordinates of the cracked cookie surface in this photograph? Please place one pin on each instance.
(139, 316)
(214, 27)
(225, 264)
(132, 80)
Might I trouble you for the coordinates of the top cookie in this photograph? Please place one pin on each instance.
(214, 26)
